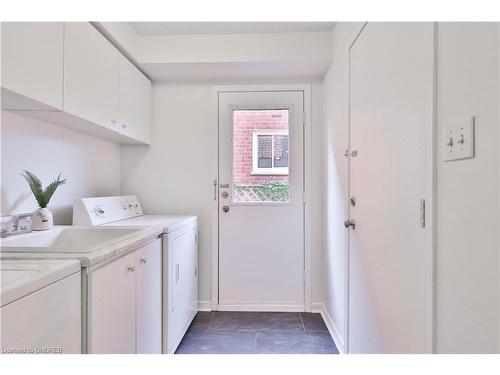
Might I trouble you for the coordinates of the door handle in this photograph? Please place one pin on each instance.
(225, 208)
(350, 223)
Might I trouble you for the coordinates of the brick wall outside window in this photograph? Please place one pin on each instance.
(245, 122)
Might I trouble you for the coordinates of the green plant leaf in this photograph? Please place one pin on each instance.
(52, 187)
(42, 196)
(35, 185)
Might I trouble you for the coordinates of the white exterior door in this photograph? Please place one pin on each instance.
(261, 210)
(390, 272)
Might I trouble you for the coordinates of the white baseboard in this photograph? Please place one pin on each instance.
(204, 306)
(261, 307)
(337, 339)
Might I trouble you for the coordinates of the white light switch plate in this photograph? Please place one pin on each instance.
(459, 141)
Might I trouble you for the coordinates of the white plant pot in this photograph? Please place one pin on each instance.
(42, 219)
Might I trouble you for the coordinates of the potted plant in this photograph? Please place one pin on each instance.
(42, 218)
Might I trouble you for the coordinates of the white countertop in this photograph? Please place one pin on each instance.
(87, 256)
(19, 278)
(168, 222)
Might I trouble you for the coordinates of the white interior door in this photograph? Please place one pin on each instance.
(390, 273)
(261, 211)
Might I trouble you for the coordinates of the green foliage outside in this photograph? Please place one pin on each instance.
(269, 192)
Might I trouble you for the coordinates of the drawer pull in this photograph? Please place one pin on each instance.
(131, 268)
(143, 260)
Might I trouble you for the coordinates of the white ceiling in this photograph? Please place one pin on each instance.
(169, 28)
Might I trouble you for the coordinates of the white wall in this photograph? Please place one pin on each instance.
(174, 174)
(335, 169)
(467, 191)
(92, 166)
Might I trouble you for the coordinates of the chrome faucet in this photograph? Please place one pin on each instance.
(12, 225)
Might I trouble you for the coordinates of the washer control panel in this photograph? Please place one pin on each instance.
(102, 210)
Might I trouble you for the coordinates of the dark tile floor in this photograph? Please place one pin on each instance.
(224, 332)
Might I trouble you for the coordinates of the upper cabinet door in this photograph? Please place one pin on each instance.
(91, 75)
(32, 64)
(135, 102)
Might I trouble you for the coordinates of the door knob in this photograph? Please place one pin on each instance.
(225, 209)
(350, 223)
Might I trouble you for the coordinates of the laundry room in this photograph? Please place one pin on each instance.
(290, 187)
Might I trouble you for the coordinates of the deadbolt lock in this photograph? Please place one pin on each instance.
(225, 194)
(353, 201)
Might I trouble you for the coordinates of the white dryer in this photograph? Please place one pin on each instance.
(179, 256)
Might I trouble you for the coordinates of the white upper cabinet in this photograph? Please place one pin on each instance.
(135, 102)
(69, 74)
(32, 65)
(91, 75)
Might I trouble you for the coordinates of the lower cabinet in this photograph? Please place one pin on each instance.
(124, 303)
(144, 301)
(149, 299)
(182, 284)
(45, 321)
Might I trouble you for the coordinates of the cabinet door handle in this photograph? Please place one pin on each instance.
(131, 268)
(177, 273)
(143, 260)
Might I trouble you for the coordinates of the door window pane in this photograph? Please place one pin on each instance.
(280, 151)
(260, 156)
(265, 151)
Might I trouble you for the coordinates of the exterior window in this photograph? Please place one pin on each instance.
(260, 172)
(270, 153)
